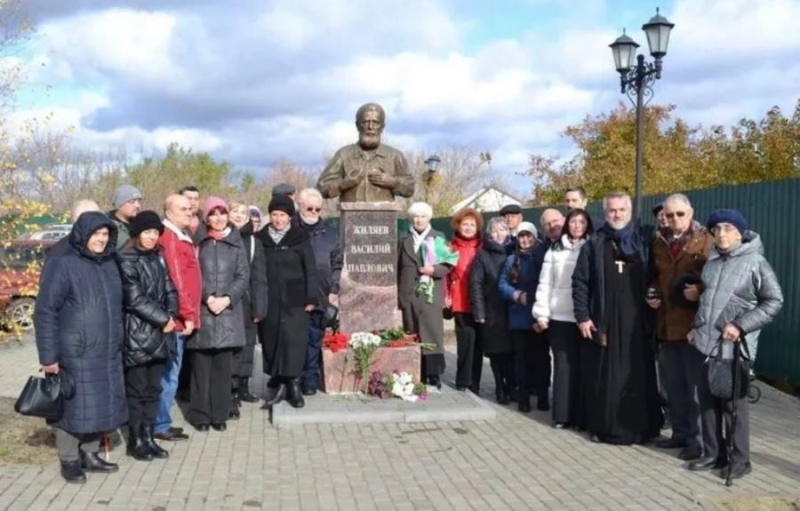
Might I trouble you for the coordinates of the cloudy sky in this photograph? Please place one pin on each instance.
(252, 81)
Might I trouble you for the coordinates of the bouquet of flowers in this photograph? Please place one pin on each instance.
(434, 251)
(335, 341)
(364, 345)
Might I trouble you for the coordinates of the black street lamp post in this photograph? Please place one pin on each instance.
(637, 77)
(432, 165)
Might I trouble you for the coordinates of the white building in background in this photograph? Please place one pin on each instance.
(486, 200)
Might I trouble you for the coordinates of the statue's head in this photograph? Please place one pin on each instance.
(370, 121)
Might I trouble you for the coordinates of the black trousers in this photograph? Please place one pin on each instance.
(470, 352)
(243, 360)
(716, 416)
(211, 386)
(532, 362)
(565, 338)
(432, 365)
(143, 391)
(503, 371)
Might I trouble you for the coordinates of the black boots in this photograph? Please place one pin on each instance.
(244, 391)
(137, 448)
(91, 462)
(72, 472)
(294, 396)
(141, 445)
(155, 449)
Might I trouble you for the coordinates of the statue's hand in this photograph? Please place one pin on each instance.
(382, 180)
(348, 183)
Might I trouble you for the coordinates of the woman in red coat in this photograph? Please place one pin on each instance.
(467, 226)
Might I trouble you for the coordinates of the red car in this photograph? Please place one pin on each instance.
(20, 266)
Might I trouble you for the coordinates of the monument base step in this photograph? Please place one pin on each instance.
(447, 405)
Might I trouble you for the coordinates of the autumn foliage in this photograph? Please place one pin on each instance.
(677, 156)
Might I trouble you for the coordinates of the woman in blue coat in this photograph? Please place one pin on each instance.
(79, 330)
(518, 282)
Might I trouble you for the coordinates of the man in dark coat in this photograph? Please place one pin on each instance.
(328, 255)
(127, 202)
(79, 330)
(609, 287)
(293, 293)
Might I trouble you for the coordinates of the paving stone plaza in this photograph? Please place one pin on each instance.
(509, 462)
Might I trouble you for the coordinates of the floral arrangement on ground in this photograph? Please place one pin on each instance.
(396, 384)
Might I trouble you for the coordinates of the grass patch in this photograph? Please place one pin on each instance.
(24, 440)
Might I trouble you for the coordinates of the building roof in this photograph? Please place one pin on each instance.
(486, 200)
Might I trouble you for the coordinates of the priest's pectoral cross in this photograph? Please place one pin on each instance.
(620, 266)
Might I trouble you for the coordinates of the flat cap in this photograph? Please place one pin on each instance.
(510, 209)
(283, 189)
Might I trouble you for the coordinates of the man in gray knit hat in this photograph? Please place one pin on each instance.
(127, 201)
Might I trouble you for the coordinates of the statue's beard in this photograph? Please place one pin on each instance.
(368, 142)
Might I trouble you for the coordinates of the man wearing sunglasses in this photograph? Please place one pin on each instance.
(328, 254)
(679, 253)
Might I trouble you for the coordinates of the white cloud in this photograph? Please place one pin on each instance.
(283, 78)
(122, 44)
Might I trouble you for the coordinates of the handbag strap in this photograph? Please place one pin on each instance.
(743, 344)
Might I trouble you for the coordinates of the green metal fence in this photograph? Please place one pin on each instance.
(773, 211)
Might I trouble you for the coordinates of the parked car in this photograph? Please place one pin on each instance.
(48, 235)
(20, 267)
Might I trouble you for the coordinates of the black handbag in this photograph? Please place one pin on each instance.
(721, 371)
(44, 397)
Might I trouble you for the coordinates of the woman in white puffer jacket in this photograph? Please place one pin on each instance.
(553, 311)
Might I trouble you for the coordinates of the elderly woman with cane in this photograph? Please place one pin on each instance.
(741, 296)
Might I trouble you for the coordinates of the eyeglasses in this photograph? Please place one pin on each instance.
(315, 210)
(722, 228)
(679, 214)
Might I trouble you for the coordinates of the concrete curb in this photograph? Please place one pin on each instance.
(473, 409)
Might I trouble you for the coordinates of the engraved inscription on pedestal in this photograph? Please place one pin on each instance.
(368, 298)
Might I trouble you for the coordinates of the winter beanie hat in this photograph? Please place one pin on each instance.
(282, 203)
(144, 221)
(728, 216)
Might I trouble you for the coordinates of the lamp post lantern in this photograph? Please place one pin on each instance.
(432, 166)
(637, 77)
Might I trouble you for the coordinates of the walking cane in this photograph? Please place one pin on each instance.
(734, 400)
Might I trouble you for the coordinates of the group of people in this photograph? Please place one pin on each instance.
(129, 298)
(616, 302)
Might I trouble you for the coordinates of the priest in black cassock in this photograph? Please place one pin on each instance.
(617, 358)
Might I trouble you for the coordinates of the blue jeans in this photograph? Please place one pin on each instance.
(169, 386)
(311, 369)
(682, 366)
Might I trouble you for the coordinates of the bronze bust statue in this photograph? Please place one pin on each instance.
(367, 171)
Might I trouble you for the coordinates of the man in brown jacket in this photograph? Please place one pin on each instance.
(679, 254)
